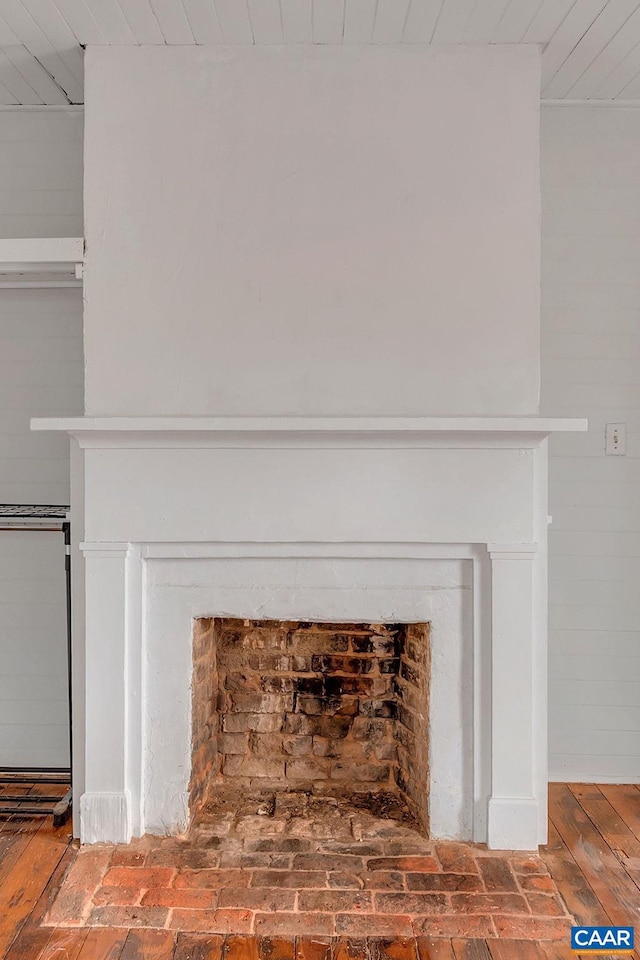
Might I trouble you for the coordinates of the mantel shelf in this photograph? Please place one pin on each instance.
(265, 431)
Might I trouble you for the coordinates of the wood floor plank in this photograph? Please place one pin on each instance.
(623, 842)
(8, 834)
(25, 831)
(515, 950)
(23, 789)
(8, 823)
(9, 840)
(33, 938)
(578, 895)
(30, 946)
(240, 948)
(625, 800)
(10, 829)
(11, 824)
(620, 838)
(399, 948)
(199, 946)
(27, 881)
(313, 948)
(553, 950)
(147, 944)
(44, 789)
(471, 950)
(350, 948)
(429, 949)
(103, 943)
(63, 945)
(276, 948)
(605, 875)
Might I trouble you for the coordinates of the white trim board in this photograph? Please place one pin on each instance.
(621, 104)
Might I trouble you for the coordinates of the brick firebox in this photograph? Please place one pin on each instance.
(326, 708)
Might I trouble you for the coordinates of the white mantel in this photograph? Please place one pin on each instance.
(449, 480)
(323, 518)
(306, 427)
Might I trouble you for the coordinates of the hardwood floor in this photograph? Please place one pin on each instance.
(593, 854)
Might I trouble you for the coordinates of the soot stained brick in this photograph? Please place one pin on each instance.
(304, 706)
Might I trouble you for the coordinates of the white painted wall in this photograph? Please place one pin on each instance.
(41, 369)
(312, 230)
(590, 367)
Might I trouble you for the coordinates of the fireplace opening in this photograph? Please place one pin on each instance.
(297, 713)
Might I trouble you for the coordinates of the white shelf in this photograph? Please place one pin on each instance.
(41, 262)
(538, 425)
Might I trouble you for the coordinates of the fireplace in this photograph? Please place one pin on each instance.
(381, 524)
(328, 709)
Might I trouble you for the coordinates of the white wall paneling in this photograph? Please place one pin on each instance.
(590, 356)
(33, 688)
(41, 172)
(41, 368)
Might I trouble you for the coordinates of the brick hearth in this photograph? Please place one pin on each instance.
(295, 864)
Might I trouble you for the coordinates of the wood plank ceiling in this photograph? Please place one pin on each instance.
(591, 47)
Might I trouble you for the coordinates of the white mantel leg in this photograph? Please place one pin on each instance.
(104, 806)
(513, 807)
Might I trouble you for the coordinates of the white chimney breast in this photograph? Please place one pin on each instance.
(312, 230)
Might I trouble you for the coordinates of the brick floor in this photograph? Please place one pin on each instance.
(333, 871)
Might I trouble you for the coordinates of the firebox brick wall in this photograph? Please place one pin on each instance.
(312, 706)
